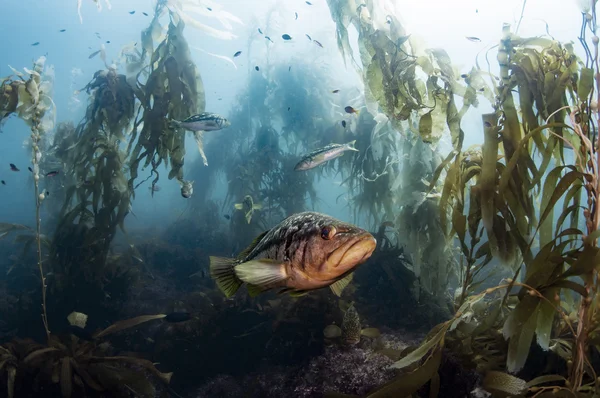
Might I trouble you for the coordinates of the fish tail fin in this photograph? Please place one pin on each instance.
(223, 273)
(238, 206)
(357, 112)
(249, 216)
(174, 123)
(351, 144)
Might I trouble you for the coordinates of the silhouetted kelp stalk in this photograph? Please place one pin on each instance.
(31, 100)
(36, 132)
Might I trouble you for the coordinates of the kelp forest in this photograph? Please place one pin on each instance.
(484, 280)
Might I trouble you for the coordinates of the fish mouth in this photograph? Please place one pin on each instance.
(353, 253)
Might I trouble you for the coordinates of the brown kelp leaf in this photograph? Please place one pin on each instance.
(519, 327)
(391, 353)
(87, 378)
(587, 260)
(164, 377)
(569, 211)
(563, 185)
(426, 127)
(126, 324)
(409, 383)
(545, 379)
(38, 353)
(56, 368)
(585, 83)
(66, 377)
(495, 381)
(487, 181)
(545, 319)
(576, 287)
(423, 349)
(550, 183)
(11, 374)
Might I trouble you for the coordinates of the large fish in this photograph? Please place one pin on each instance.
(323, 155)
(205, 121)
(306, 251)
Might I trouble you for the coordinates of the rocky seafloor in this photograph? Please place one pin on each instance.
(354, 370)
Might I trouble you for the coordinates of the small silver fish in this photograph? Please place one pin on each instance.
(205, 121)
(473, 39)
(323, 155)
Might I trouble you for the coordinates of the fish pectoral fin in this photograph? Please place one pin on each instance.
(292, 292)
(298, 293)
(254, 290)
(222, 270)
(238, 206)
(257, 206)
(262, 273)
(339, 286)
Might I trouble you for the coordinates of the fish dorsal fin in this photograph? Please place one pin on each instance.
(339, 286)
(254, 243)
(263, 273)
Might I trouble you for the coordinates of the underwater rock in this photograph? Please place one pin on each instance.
(221, 386)
(338, 369)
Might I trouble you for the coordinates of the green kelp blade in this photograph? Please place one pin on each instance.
(420, 352)
(144, 363)
(487, 180)
(563, 185)
(585, 83)
(409, 383)
(545, 379)
(519, 328)
(426, 127)
(126, 324)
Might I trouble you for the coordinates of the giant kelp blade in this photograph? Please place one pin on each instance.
(423, 349)
(126, 324)
(66, 377)
(164, 377)
(407, 384)
(520, 328)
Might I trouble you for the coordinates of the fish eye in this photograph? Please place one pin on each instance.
(328, 232)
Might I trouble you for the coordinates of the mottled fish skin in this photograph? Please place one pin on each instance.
(323, 155)
(297, 241)
(204, 122)
(351, 327)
